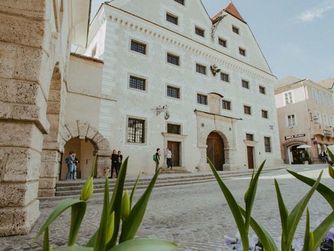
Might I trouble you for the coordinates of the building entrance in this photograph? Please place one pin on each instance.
(85, 151)
(215, 150)
(175, 148)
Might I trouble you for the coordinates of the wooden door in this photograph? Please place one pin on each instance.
(250, 157)
(175, 148)
(215, 150)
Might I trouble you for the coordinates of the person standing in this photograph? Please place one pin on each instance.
(114, 163)
(169, 158)
(119, 161)
(156, 158)
(70, 162)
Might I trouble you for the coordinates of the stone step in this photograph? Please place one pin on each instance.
(100, 190)
(100, 183)
(66, 189)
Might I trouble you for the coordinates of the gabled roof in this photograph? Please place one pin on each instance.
(230, 9)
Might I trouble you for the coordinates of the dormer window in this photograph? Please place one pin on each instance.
(242, 52)
(180, 1)
(222, 42)
(172, 18)
(199, 31)
(235, 29)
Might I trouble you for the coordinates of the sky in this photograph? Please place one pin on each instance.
(296, 36)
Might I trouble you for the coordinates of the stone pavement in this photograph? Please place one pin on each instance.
(195, 216)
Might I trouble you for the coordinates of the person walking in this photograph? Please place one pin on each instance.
(70, 162)
(114, 163)
(119, 161)
(169, 158)
(156, 158)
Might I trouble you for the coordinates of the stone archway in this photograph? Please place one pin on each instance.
(51, 142)
(84, 131)
(289, 148)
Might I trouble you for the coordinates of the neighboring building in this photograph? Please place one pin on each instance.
(35, 43)
(198, 85)
(305, 117)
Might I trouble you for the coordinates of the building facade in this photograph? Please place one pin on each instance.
(305, 117)
(180, 79)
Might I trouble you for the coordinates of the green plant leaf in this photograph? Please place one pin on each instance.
(283, 213)
(92, 240)
(331, 171)
(297, 212)
(263, 235)
(134, 190)
(234, 207)
(331, 155)
(322, 229)
(250, 195)
(145, 245)
(60, 208)
(116, 202)
(326, 192)
(46, 241)
(308, 235)
(74, 248)
(77, 214)
(125, 208)
(102, 232)
(132, 223)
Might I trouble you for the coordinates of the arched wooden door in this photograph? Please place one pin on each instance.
(215, 150)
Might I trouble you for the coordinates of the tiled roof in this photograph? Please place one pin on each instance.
(230, 9)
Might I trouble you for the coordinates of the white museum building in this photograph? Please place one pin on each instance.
(178, 78)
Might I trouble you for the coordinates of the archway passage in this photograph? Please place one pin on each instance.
(215, 150)
(296, 155)
(86, 152)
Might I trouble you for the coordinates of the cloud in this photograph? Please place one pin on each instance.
(316, 12)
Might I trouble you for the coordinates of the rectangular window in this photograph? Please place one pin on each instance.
(137, 83)
(180, 1)
(173, 92)
(172, 18)
(288, 98)
(267, 144)
(199, 31)
(249, 137)
(225, 77)
(235, 29)
(245, 84)
(201, 69)
(202, 99)
(173, 59)
(264, 114)
(227, 105)
(173, 129)
(222, 42)
(136, 130)
(242, 52)
(291, 121)
(247, 110)
(138, 47)
(262, 89)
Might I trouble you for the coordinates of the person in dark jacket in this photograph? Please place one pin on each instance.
(157, 159)
(114, 163)
(119, 161)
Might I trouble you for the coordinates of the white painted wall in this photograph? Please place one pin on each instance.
(120, 62)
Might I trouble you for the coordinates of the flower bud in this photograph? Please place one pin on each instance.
(125, 207)
(110, 227)
(87, 190)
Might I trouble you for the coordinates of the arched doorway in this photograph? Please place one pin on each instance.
(297, 155)
(215, 150)
(86, 152)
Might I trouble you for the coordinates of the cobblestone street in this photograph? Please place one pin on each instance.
(195, 216)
